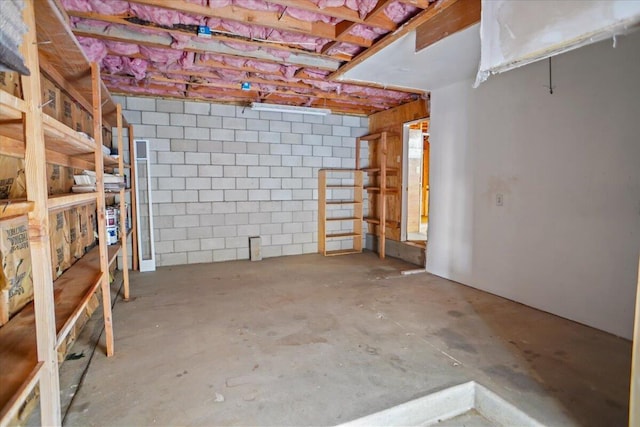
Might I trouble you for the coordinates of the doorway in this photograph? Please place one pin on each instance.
(415, 202)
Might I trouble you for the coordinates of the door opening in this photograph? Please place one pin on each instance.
(415, 221)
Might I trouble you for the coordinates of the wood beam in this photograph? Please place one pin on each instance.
(459, 16)
(424, 16)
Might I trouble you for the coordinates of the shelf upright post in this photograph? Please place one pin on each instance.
(101, 214)
(133, 192)
(36, 178)
(123, 210)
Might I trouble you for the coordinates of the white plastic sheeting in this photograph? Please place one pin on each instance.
(515, 33)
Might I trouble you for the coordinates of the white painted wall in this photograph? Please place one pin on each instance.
(568, 236)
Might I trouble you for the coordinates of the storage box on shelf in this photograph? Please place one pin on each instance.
(37, 129)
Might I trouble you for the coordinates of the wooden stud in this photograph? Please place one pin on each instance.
(358, 181)
(134, 218)
(36, 178)
(382, 159)
(634, 399)
(459, 16)
(322, 211)
(102, 227)
(123, 210)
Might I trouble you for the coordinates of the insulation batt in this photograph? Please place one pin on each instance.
(367, 32)
(95, 50)
(258, 5)
(113, 64)
(249, 31)
(348, 48)
(398, 12)
(300, 40)
(307, 16)
(77, 5)
(111, 7)
(219, 3)
(136, 67)
(122, 48)
(160, 55)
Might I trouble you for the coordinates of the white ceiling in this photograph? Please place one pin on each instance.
(450, 60)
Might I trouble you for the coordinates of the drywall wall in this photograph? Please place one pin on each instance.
(222, 173)
(567, 237)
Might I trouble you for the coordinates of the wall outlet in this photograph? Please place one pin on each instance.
(499, 199)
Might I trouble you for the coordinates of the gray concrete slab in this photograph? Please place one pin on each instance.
(308, 340)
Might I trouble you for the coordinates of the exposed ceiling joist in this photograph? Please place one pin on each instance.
(459, 16)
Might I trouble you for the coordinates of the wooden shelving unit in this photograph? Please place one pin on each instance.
(376, 186)
(354, 204)
(30, 339)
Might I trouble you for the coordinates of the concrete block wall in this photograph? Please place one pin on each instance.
(223, 173)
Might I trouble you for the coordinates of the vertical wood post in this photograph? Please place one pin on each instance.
(634, 401)
(36, 178)
(134, 206)
(102, 230)
(123, 210)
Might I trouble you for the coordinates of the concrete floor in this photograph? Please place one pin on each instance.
(308, 340)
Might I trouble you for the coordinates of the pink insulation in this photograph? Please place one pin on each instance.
(302, 41)
(362, 6)
(231, 75)
(307, 16)
(111, 7)
(164, 17)
(113, 64)
(94, 49)
(399, 12)
(136, 67)
(180, 41)
(219, 3)
(263, 66)
(345, 48)
(198, 2)
(77, 5)
(248, 31)
(258, 5)
(161, 55)
(122, 48)
(366, 32)
(289, 71)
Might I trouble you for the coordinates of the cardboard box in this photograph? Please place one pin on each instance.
(16, 281)
(88, 225)
(76, 247)
(77, 118)
(13, 183)
(87, 123)
(59, 240)
(68, 114)
(50, 98)
(107, 137)
(10, 82)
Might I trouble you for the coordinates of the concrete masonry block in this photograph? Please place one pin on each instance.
(234, 123)
(364, 122)
(310, 227)
(259, 195)
(236, 242)
(301, 128)
(259, 125)
(247, 159)
(248, 230)
(159, 170)
(210, 171)
(222, 134)
(281, 217)
(199, 257)
(291, 138)
(292, 227)
(236, 218)
(281, 195)
(270, 183)
(182, 196)
(270, 160)
(333, 119)
(348, 163)
(291, 250)
(333, 141)
(227, 207)
(310, 248)
(258, 148)
(269, 137)
(197, 158)
(199, 232)
(153, 118)
(169, 106)
(164, 247)
(294, 205)
(210, 195)
(224, 255)
(280, 126)
(343, 152)
(162, 196)
(280, 149)
(271, 251)
(223, 110)
(186, 245)
(281, 239)
(235, 171)
(294, 161)
(236, 195)
(301, 150)
(311, 139)
(200, 208)
(292, 117)
(291, 183)
(271, 206)
(258, 171)
(247, 207)
(223, 159)
(310, 205)
(133, 117)
(322, 151)
(196, 133)
(212, 243)
(214, 220)
(308, 118)
(268, 115)
(351, 121)
(242, 253)
(171, 183)
(162, 221)
(302, 194)
(209, 146)
(142, 104)
(312, 162)
(173, 233)
(247, 113)
(355, 132)
(226, 183)
(214, 122)
(259, 218)
(331, 162)
(168, 131)
(270, 229)
(192, 107)
(303, 238)
(182, 120)
(247, 184)
(225, 231)
(183, 145)
(319, 129)
(122, 100)
(176, 258)
(280, 172)
(234, 147)
(145, 131)
(246, 136)
(184, 170)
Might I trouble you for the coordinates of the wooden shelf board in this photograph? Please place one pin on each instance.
(12, 107)
(62, 201)
(339, 235)
(342, 186)
(18, 354)
(343, 202)
(62, 139)
(112, 252)
(342, 252)
(372, 220)
(389, 223)
(370, 137)
(11, 408)
(338, 170)
(388, 190)
(346, 218)
(10, 208)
